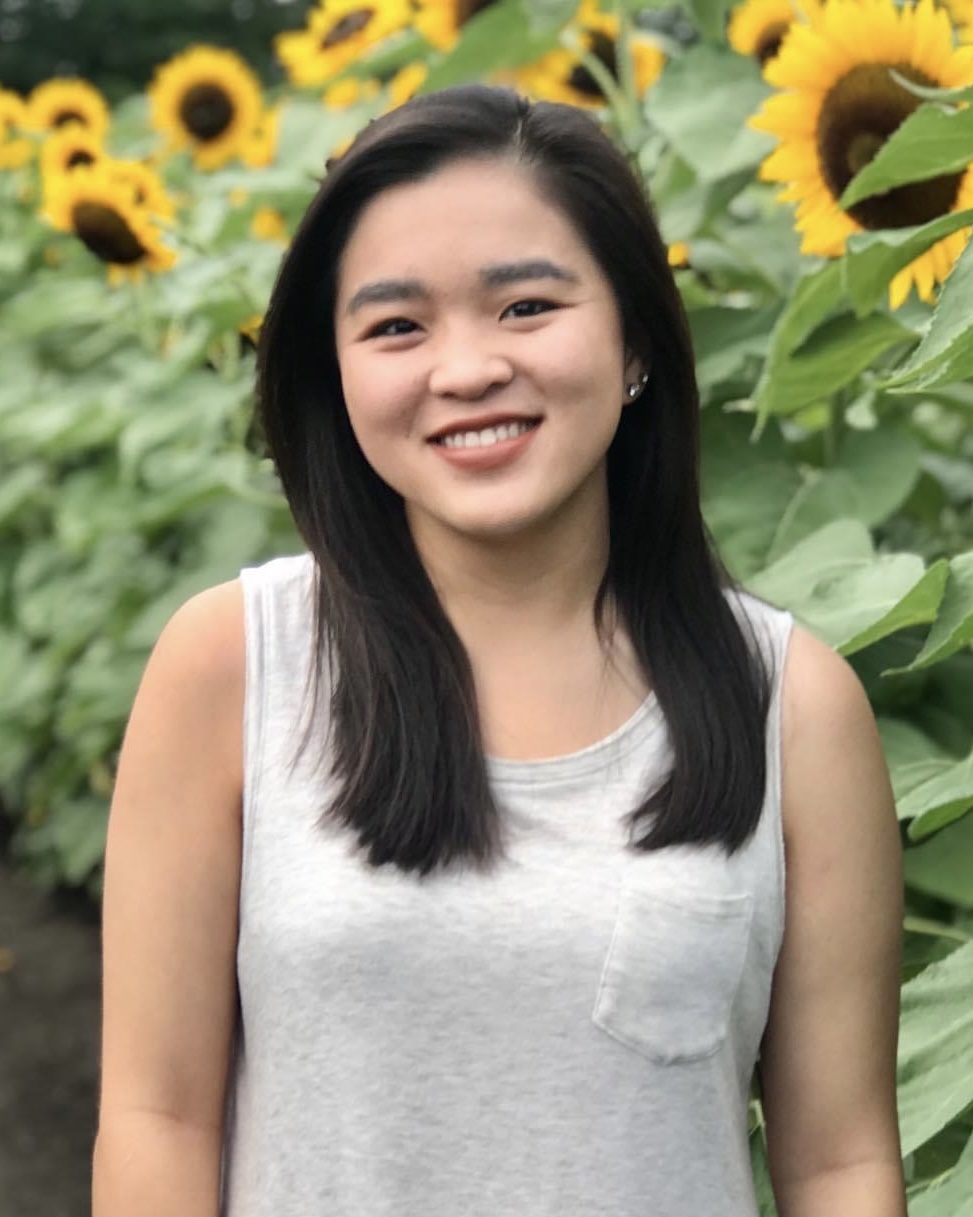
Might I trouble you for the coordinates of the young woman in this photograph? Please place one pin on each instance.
(587, 835)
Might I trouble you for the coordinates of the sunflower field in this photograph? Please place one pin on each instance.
(811, 166)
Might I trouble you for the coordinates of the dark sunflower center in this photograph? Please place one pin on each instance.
(349, 24)
(106, 233)
(768, 44)
(859, 113)
(68, 116)
(206, 110)
(79, 157)
(603, 49)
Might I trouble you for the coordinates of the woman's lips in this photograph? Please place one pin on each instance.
(490, 456)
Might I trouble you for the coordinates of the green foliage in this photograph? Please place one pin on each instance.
(837, 479)
(116, 44)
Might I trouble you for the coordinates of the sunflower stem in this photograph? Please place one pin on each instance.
(624, 58)
(837, 425)
(624, 114)
(144, 324)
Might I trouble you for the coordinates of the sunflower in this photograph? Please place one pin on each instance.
(560, 76)
(15, 150)
(841, 107)
(260, 146)
(337, 33)
(268, 225)
(757, 27)
(100, 211)
(404, 84)
(64, 100)
(147, 188)
(961, 11)
(68, 147)
(249, 330)
(206, 99)
(348, 92)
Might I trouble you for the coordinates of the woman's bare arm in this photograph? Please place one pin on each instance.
(828, 1062)
(169, 920)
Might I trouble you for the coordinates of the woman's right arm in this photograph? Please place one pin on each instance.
(169, 921)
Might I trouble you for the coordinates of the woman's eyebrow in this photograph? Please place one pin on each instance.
(385, 290)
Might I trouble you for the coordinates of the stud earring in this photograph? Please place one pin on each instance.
(635, 389)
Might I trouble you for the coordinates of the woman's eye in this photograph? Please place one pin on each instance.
(545, 304)
(383, 330)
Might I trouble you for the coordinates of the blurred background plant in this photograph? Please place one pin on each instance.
(811, 167)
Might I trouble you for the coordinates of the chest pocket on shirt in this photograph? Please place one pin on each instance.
(673, 969)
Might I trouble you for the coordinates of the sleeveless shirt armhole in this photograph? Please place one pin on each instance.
(784, 637)
(253, 709)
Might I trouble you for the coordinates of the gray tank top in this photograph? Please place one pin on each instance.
(574, 1036)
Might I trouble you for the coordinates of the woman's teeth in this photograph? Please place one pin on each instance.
(486, 437)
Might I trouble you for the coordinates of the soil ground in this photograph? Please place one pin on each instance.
(50, 1029)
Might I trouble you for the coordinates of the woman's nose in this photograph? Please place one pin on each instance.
(467, 372)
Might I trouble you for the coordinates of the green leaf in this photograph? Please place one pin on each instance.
(742, 508)
(943, 865)
(940, 799)
(911, 755)
(841, 545)
(700, 104)
(19, 486)
(931, 142)
(935, 1058)
(823, 496)
(75, 831)
(951, 1194)
(845, 592)
(710, 18)
(723, 338)
(835, 355)
(884, 465)
(872, 259)
(504, 35)
(945, 354)
(816, 295)
(953, 628)
(917, 607)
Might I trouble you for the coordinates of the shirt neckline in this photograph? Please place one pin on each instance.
(646, 720)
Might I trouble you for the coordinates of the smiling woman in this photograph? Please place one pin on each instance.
(561, 866)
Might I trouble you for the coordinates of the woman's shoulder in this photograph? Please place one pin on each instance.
(204, 637)
(829, 737)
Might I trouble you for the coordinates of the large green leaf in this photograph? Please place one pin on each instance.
(723, 338)
(953, 629)
(816, 295)
(742, 510)
(943, 865)
(871, 477)
(834, 356)
(931, 142)
(952, 1194)
(935, 1059)
(940, 799)
(872, 258)
(840, 546)
(701, 102)
(945, 354)
(845, 592)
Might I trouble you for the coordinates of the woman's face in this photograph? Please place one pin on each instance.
(432, 332)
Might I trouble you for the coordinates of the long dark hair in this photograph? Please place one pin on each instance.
(407, 751)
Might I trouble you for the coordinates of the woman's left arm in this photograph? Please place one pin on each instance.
(828, 1059)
